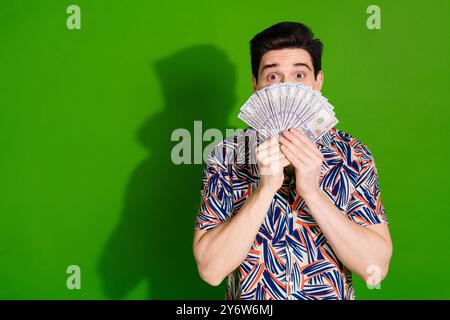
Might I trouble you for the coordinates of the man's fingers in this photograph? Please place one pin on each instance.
(295, 149)
(309, 144)
(301, 141)
(268, 143)
(268, 149)
(279, 156)
(285, 162)
(267, 152)
(289, 136)
(293, 159)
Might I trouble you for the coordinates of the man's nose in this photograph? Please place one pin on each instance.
(285, 78)
(292, 79)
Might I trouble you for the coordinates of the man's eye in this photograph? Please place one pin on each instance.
(300, 75)
(272, 77)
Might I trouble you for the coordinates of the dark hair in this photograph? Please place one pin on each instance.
(285, 35)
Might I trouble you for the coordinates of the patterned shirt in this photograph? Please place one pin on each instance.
(290, 258)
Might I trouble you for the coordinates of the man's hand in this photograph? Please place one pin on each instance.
(271, 162)
(306, 158)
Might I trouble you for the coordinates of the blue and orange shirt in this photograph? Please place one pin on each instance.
(290, 258)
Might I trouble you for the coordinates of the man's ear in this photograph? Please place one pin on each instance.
(254, 84)
(319, 81)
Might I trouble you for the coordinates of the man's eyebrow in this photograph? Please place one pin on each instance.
(298, 64)
(269, 66)
(302, 65)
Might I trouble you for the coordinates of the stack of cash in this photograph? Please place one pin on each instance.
(282, 106)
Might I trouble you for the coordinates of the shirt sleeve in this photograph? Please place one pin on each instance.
(216, 203)
(365, 206)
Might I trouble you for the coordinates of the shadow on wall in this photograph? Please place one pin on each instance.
(153, 240)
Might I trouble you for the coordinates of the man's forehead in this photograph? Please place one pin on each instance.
(288, 56)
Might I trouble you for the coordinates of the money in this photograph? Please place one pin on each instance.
(282, 106)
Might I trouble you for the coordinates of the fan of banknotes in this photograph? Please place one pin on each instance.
(282, 106)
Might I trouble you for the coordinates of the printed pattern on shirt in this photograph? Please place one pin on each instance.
(290, 257)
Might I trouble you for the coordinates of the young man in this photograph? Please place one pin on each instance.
(275, 240)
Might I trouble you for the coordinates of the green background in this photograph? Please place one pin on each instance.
(86, 117)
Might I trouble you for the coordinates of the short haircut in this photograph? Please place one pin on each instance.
(285, 35)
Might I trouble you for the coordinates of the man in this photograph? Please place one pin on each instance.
(276, 240)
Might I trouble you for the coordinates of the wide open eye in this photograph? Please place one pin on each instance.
(272, 77)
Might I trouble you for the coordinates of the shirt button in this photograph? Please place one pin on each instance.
(291, 249)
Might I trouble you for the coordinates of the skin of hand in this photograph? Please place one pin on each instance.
(306, 158)
(271, 161)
